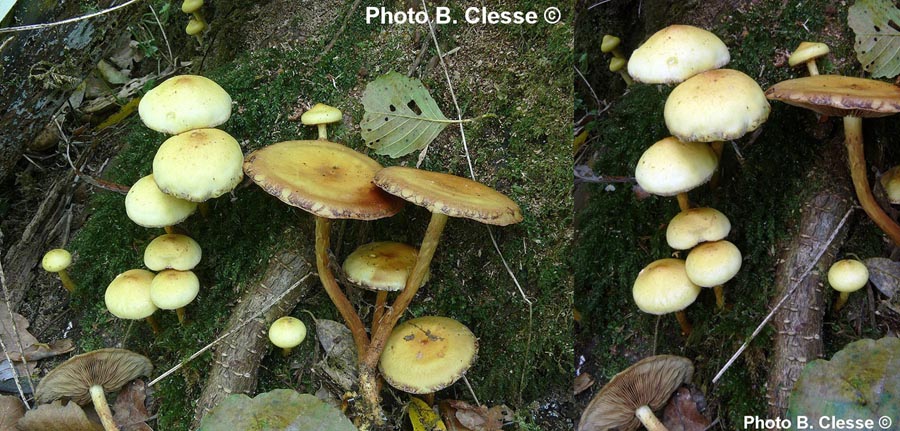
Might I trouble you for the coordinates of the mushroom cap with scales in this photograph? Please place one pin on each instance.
(172, 251)
(675, 54)
(148, 206)
(649, 382)
(663, 287)
(383, 265)
(128, 295)
(839, 96)
(185, 102)
(670, 166)
(427, 354)
(109, 368)
(198, 165)
(56, 260)
(449, 195)
(324, 178)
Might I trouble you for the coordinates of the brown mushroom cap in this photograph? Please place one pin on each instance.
(839, 96)
(449, 194)
(109, 368)
(649, 382)
(321, 177)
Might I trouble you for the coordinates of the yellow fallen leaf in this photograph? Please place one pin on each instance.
(422, 417)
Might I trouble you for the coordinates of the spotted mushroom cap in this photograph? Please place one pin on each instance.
(663, 287)
(381, 265)
(695, 225)
(172, 251)
(807, 51)
(128, 295)
(839, 96)
(324, 178)
(450, 195)
(675, 54)
(198, 165)
(148, 206)
(670, 166)
(649, 382)
(717, 105)
(185, 102)
(427, 354)
(109, 368)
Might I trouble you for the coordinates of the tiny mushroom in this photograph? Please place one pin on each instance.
(172, 251)
(807, 53)
(185, 102)
(695, 225)
(663, 287)
(617, 65)
(629, 399)
(195, 28)
(174, 290)
(846, 276)
(58, 260)
(198, 165)
(675, 54)
(287, 332)
(890, 180)
(321, 115)
(148, 206)
(199, 23)
(610, 44)
(671, 167)
(713, 264)
(128, 297)
(87, 377)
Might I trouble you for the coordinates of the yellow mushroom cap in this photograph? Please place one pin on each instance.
(449, 194)
(609, 43)
(663, 287)
(675, 54)
(717, 105)
(148, 206)
(172, 251)
(670, 166)
(321, 113)
(381, 265)
(194, 27)
(56, 260)
(713, 263)
(839, 96)
(191, 6)
(848, 275)
(616, 64)
(427, 354)
(198, 165)
(185, 102)
(807, 51)
(287, 332)
(324, 178)
(891, 183)
(172, 289)
(128, 296)
(693, 226)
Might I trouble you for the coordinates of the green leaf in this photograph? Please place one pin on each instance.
(860, 382)
(877, 27)
(400, 115)
(281, 409)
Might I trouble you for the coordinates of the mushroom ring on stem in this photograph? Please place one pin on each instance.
(853, 99)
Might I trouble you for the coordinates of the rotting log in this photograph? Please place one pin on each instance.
(798, 324)
(236, 359)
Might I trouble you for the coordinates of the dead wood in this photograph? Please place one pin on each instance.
(798, 324)
(236, 359)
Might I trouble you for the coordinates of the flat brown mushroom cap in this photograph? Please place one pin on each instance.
(839, 96)
(649, 382)
(110, 368)
(321, 177)
(449, 194)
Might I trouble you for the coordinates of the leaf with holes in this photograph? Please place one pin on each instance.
(877, 27)
(401, 117)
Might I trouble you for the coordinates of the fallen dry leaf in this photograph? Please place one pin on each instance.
(681, 414)
(583, 381)
(11, 409)
(448, 414)
(57, 417)
(130, 409)
(481, 418)
(14, 333)
(340, 353)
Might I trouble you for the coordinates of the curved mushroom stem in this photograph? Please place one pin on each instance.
(853, 138)
(717, 147)
(813, 69)
(380, 302)
(646, 416)
(683, 201)
(154, 325)
(323, 242)
(683, 321)
(66, 281)
(842, 299)
(102, 408)
(323, 131)
(720, 297)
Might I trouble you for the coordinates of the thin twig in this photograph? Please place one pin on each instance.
(462, 132)
(477, 403)
(15, 334)
(600, 106)
(66, 21)
(232, 331)
(170, 59)
(796, 283)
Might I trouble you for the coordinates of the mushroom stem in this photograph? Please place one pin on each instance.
(323, 131)
(842, 299)
(720, 297)
(813, 69)
(626, 77)
(102, 408)
(683, 321)
(323, 242)
(66, 281)
(380, 302)
(717, 147)
(180, 313)
(650, 421)
(856, 158)
(683, 201)
(169, 229)
(154, 325)
(286, 351)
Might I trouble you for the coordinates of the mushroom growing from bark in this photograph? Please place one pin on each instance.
(853, 99)
(847, 276)
(675, 54)
(629, 399)
(87, 377)
(57, 261)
